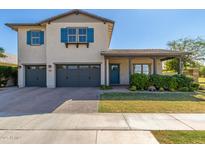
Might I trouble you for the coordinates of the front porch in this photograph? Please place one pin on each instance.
(121, 64)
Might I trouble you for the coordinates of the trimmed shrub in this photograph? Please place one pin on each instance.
(133, 88)
(191, 89)
(7, 72)
(183, 81)
(140, 81)
(156, 80)
(195, 86)
(171, 83)
(184, 89)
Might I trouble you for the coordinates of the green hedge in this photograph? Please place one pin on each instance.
(7, 72)
(140, 81)
(171, 83)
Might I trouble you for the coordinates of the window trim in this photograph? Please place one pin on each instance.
(68, 35)
(33, 37)
(141, 64)
(86, 34)
(77, 35)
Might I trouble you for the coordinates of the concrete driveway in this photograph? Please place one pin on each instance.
(25, 101)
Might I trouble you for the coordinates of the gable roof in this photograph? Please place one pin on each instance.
(76, 11)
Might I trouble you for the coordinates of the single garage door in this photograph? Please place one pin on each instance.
(35, 76)
(77, 75)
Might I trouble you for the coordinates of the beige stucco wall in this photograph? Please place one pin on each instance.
(28, 54)
(57, 53)
(124, 66)
(54, 52)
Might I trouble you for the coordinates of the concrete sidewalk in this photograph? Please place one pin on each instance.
(94, 128)
(76, 137)
(105, 121)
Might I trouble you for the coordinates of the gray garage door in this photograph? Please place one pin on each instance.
(77, 75)
(35, 76)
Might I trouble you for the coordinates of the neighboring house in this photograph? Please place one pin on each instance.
(72, 50)
(9, 60)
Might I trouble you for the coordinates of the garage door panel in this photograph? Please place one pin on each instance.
(84, 75)
(78, 76)
(72, 75)
(95, 74)
(35, 76)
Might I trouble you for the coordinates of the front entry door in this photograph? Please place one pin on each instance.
(114, 74)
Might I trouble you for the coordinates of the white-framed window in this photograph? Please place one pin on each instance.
(72, 35)
(35, 38)
(82, 35)
(142, 68)
(76, 35)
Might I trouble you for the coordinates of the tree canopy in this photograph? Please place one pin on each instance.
(194, 46)
(2, 52)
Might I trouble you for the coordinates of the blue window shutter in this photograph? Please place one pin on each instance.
(90, 35)
(29, 37)
(41, 37)
(64, 35)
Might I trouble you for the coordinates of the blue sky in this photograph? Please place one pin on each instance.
(133, 28)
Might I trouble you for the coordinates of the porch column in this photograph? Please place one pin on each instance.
(107, 71)
(180, 66)
(130, 69)
(154, 65)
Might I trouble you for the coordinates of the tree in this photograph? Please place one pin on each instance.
(195, 46)
(202, 71)
(2, 52)
(172, 65)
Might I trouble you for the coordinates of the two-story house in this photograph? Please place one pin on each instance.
(72, 50)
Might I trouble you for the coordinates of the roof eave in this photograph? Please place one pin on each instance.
(15, 26)
(146, 54)
(76, 11)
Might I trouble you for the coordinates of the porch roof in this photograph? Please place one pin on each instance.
(143, 53)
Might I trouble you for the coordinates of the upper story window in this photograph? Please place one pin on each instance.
(35, 37)
(142, 68)
(82, 35)
(72, 35)
(77, 35)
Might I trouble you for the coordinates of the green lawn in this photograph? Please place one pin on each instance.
(187, 102)
(7, 64)
(201, 80)
(180, 137)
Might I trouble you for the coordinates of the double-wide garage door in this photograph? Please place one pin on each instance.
(87, 75)
(35, 76)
